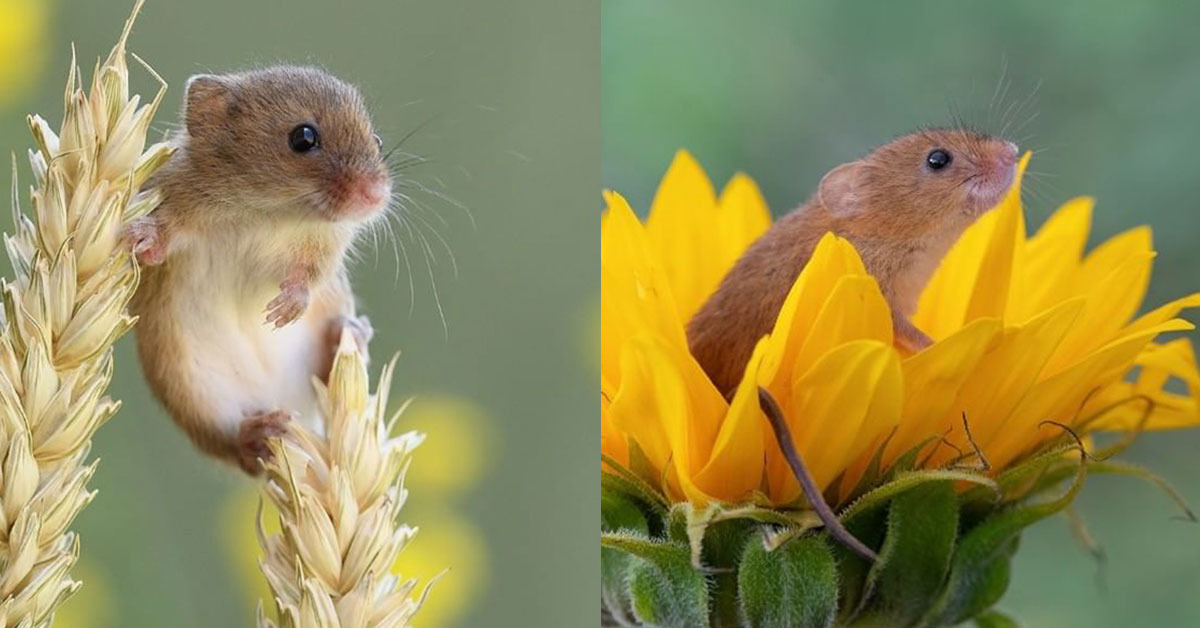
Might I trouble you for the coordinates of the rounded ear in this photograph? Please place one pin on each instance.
(838, 190)
(207, 101)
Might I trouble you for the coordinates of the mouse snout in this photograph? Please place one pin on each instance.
(996, 175)
(357, 196)
(372, 192)
(1010, 152)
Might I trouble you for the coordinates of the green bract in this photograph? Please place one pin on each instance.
(944, 538)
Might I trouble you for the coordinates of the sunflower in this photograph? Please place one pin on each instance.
(1027, 330)
(1037, 346)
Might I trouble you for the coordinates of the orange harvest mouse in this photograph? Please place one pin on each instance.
(244, 290)
(902, 206)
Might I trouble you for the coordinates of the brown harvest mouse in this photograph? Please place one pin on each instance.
(244, 290)
(902, 206)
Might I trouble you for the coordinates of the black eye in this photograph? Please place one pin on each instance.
(379, 142)
(938, 159)
(304, 138)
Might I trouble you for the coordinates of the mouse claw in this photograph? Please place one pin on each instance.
(147, 240)
(289, 305)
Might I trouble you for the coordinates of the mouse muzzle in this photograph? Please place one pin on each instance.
(359, 196)
(997, 171)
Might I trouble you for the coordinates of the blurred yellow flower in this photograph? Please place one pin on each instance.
(22, 29)
(1027, 329)
(452, 547)
(92, 605)
(455, 451)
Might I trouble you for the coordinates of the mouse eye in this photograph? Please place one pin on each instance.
(938, 159)
(304, 138)
(378, 141)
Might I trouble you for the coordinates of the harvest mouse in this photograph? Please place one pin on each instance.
(244, 290)
(902, 206)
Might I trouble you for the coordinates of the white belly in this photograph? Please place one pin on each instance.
(242, 366)
(238, 364)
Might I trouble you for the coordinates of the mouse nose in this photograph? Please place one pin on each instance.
(1012, 150)
(373, 192)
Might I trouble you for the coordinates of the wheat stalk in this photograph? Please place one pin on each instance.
(338, 496)
(63, 310)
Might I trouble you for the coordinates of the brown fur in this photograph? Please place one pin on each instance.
(900, 215)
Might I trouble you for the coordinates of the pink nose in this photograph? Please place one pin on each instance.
(373, 192)
(1011, 151)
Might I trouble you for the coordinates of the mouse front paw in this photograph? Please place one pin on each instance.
(289, 305)
(253, 435)
(147, 239)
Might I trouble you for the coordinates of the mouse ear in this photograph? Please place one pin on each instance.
(207, 100)
(838, 190)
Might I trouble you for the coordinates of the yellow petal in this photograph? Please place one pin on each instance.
(1052, 261)
(848, 399)
(1006, 372)
(1110, 303)
(670, 407)
(1163, 313)
(1122, 406)
(612, 440)
(634, 294)
(681, 230)
(742, 217)
(854, 310)
(735, 466)
(974, 277)
(933, 379)
(1060, 397)
(833, 259)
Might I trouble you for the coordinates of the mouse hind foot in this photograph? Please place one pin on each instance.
(253, 435)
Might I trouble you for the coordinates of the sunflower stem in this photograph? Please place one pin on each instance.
(784, 437)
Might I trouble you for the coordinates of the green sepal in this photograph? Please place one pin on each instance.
(907, 461)
(664, 589)
(873, 472)
(869, 526)
(623, 479)
(1021, 480)
(922, 526)
(1113, 467)
(618, 512)
(980, 569)
(909, 480)
(793, 586)
(995, 619)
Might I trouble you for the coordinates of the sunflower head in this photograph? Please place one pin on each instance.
(1037, 347)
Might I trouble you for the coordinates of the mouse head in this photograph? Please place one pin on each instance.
(287, 139)
(923, 182)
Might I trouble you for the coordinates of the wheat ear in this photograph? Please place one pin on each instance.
(338, 496)
(63, 309)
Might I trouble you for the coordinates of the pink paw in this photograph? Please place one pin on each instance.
(146, 238)
(289, 305)
(253, 436)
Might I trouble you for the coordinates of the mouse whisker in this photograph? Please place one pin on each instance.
(438, 236)
(417, 237)
(413, 184)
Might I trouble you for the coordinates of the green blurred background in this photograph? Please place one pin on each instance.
(506, 96)
(785, 90)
